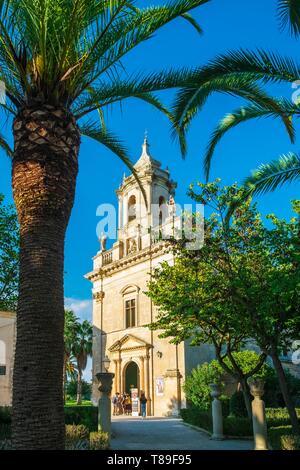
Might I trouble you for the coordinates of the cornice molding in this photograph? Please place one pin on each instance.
(130, 260)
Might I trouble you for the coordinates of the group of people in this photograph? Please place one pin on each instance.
(122, 404)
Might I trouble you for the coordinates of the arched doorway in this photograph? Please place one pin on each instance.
(132, 377)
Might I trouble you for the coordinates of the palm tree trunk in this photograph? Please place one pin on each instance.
(44, 174)
(79, 387)
(285, 393)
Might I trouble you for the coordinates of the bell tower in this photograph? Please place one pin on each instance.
(136, 215)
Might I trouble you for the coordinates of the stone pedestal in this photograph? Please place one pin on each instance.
(105, 380)
(258, 414)
(217, 416)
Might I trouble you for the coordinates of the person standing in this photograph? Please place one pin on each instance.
(143, 402)
(115, 400)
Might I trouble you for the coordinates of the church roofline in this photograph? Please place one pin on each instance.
(117, 345)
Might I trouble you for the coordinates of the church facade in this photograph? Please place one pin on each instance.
(122, 311)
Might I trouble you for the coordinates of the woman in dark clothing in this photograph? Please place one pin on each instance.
(143, 402)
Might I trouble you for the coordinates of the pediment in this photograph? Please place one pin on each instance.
(129, 342)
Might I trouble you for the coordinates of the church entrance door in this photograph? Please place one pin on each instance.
(132, 377)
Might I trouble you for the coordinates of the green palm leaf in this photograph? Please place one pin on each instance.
(289, 15)
(270, 176)
(114, 144)
(4, 145)
(246, 113)
(190, 100)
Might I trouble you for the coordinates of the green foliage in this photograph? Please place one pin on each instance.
(77, 437)
(5, 431)
(243, 73)
(237, 405)
(282, 438)
(233, 426)
(85, 415)
(9, 257)
(237, 426)
(71, 390)
(273, 397)
(196, 386)
(5, 414)
(270, 176)
(99, 441)
(83, 343)
(279, 416)
(69, 54)
(243, 283)
(196, 417)
(290, 442)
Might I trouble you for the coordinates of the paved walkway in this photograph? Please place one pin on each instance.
(165, 434)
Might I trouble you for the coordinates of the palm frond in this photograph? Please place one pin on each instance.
(289, 15)
(267, 177)
(190, 100)
(245, 113)
(113, 143)
(107, 93)
(4, 145)
(270, 176)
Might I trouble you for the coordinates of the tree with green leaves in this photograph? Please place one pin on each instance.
(197, 385)
(61, 62)
(82, 349)
(9, 257)
(70, 330)
(243, 74)
(243, 284)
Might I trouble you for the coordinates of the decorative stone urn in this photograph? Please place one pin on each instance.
(105, 380)
(258, 414)
(217, 416)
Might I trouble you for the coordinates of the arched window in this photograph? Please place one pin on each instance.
(131, 208)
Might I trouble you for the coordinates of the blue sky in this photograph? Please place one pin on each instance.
(227, 25)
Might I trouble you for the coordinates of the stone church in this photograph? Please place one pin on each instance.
(122, 311)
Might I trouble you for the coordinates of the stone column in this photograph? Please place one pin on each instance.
(121, 385)
(142, 374)
(217, 413)
(115, 382)
(104, 405)
(147, 384)
(120, 212)
(258, 414)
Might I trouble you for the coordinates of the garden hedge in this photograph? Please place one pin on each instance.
(85, 414)
(233, 425)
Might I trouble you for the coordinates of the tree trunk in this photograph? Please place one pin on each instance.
(285, 393)
(79, 388)
(246, 395)
(45, 167)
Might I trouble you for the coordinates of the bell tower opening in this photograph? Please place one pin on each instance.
(132, 377)
(132, 209)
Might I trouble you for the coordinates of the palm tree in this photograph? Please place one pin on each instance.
(82, 349)
(70, 331)
(243, 73)
(61, 60)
